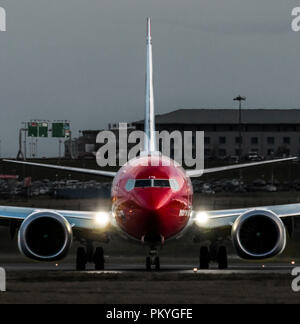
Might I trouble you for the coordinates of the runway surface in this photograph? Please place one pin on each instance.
(131, 284)
(275, 268)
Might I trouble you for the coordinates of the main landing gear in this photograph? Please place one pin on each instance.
(89, 255)
(153, 260)
(213, 254)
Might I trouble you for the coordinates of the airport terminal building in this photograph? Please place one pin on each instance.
(268, 132)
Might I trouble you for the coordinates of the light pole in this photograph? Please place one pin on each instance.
(240, 99)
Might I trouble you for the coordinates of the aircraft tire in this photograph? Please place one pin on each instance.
(222, 258)
(157, 264)
(99, 259)
(148, 264)
(204, 258)
(81, 259)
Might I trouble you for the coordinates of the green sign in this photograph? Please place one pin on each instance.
(43, 129)
(37, 129)
(61, 130)
(32, 130)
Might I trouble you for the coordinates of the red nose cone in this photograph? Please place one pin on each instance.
(153, 199)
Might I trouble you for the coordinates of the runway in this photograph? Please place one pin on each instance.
(274, 268)
(130, 284)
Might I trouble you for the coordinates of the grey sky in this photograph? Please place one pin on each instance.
(85, 60)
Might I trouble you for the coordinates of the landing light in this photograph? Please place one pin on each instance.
(102, 219)
(202, 218)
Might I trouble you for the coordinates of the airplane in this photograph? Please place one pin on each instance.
(151, 205)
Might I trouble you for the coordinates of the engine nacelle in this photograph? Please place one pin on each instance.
(45, 236)
(259, 234)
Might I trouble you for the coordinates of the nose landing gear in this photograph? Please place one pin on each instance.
(153, 260)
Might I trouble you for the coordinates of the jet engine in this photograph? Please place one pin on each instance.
(259, 234)
(45, 236)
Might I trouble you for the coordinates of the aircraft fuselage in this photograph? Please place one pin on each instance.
(152, 202)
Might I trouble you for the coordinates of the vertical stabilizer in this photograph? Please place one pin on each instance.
(150, 140)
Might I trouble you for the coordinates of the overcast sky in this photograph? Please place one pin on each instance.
(85, 60)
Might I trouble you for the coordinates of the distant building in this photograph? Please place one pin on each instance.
(85, 147)
(268, 132)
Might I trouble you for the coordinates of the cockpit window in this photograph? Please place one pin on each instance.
(143, 183)
(174, 185)
(152, 183)
(161, 184)
(130, 185)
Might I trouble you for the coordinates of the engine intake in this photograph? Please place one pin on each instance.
(258, 235)
(45, 236)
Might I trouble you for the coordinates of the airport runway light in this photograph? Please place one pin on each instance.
(202, 218)
(102, 219)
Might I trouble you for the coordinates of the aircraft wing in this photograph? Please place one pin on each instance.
(84, 224)
(213, 220)
(70, 169)
(199, 173)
